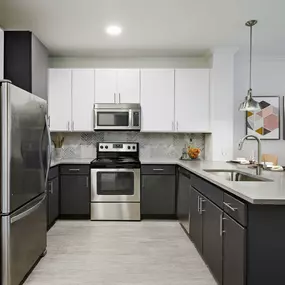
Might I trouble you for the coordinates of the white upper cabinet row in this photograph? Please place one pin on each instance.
(117, 86)
(171, 100)
(175, 101)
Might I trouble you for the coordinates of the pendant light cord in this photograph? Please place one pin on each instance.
(250, 56)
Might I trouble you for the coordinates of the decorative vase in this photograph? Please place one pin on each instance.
(58, 153)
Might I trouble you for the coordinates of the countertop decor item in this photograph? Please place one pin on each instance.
(58, 141)
(249, 104)
(193, 151)
(266, 123)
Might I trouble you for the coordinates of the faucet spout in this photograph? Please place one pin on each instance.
(240, 145)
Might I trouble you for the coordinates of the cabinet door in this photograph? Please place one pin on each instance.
(59, 99)
(157, 100)
(82, 100)
(74, 195)
(234, 261)
(192, 100)
(158, 195)
(195, 219)
(53, 201)
(183, 201)
(212, 238)
(1, 54)
(106, 86)
(129, 85)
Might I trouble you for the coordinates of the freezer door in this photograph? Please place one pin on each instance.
(24, 145)
(23, 240)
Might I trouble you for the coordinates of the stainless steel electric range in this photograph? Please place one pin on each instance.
(115, 182)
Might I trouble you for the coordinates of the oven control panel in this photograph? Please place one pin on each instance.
(117, 147)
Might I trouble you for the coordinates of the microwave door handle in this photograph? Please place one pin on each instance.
(130, 118)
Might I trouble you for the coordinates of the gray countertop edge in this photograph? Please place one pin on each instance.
(252, 192)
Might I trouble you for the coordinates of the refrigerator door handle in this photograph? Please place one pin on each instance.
(49, 151)
(27, 212)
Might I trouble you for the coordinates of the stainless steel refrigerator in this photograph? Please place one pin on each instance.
(25, 160)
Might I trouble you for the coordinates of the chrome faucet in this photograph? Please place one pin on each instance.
(240, 145)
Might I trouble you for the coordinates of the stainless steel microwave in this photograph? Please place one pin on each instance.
(120, 117)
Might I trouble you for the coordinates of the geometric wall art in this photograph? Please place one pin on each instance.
(265, 123)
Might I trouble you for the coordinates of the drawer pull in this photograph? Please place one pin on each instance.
(74, 169)
(158, 169)
(230, 207)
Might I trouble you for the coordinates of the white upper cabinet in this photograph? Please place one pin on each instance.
(157, 100)
(117, 86)
(128, 84)
(105, 86)
(192, 100)
(1, 54)
(82, 99)
(59, 99)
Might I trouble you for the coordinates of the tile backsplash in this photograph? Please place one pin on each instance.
(152, 145)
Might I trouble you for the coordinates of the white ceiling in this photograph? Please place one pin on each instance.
(150, 27)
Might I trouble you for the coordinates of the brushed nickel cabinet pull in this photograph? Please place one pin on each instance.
(230, 207)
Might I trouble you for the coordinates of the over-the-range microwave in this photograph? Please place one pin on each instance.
(117, 117)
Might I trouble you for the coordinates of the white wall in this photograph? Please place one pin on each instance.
(268, 79)
(129, 62)
(219, 144)
(1, 54)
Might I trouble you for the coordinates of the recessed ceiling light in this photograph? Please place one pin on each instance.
(113, 30)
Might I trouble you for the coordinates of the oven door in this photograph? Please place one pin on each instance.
(119, 119)
(115, 185)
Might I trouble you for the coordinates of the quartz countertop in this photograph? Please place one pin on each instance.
(265, 192)
(71, 161)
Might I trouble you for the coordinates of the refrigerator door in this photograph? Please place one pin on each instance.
(24, 146)
(23, 240)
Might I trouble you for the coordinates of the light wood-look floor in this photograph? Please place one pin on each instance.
(120, 253)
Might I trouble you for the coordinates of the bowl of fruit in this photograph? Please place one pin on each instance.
(194, 152)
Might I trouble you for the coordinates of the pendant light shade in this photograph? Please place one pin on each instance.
(249, 104)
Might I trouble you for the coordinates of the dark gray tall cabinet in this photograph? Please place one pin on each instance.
(26, 62)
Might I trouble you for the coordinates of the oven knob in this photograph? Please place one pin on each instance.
(134, 147)
(106, 146)
(101, 146)
(129, 147)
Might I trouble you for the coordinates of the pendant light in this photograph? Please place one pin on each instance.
(249, 104)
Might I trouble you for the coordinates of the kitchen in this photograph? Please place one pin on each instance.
(118, 109)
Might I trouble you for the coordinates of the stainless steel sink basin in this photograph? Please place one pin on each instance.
(234, 175)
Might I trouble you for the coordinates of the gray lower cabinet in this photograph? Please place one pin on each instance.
(234, 261)
(74, 195)
(196, 219)
(158, 195)
(53, 201)
(213, 238)
(183, 198)
(219, 239)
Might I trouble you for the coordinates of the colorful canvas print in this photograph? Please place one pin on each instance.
(266, 122)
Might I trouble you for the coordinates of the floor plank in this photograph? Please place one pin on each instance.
(120, 253)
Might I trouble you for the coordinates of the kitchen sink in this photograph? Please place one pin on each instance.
(237, 176)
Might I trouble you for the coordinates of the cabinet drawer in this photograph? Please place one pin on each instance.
(209, 190)
(160, 169)
(74, 169)
(235, 208)
(53, 173)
